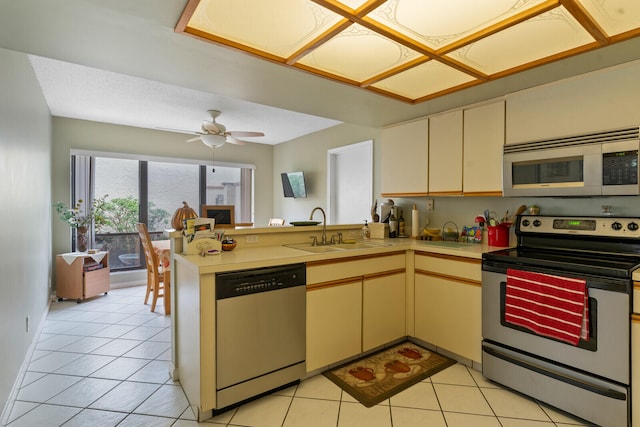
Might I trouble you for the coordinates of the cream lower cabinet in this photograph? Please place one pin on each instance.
(383, 309)
(353, 304)
(448, 303)
(334, 323)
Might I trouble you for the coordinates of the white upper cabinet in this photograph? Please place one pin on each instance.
(602, 100)
(404, 153)
(445, 154)
(482, 156)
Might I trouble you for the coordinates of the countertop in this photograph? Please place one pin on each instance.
(246, 258)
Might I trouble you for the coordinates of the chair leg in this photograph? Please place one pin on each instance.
(166, 293)
(146, 297)
(156, 290)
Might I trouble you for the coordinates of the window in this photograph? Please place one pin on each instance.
(150, 191)
(169, 184)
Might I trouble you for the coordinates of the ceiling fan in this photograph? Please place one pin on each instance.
(214, 134)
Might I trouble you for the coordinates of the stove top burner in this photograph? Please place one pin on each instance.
(577, 262)
(601, 246)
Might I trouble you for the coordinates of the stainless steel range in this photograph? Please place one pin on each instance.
(556, 313)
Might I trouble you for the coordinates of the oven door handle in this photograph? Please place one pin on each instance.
(613, 394)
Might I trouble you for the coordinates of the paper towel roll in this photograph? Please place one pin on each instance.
(415, 226)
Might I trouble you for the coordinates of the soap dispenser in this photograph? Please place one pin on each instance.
(366, 234)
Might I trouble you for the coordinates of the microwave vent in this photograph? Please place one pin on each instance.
(576, 140)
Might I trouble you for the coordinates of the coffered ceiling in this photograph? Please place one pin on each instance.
(412, 50)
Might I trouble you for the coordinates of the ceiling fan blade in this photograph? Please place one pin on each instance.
(235, 141)
(211, 127)
(245, 134)
(189, 132)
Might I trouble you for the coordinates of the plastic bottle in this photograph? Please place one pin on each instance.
(366, 233)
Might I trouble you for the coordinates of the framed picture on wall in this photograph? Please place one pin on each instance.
(223, 214)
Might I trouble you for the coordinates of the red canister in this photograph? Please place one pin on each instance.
(499, 234)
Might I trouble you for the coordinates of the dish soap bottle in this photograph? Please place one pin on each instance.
(366, 234)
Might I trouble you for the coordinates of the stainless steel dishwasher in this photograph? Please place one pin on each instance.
(260, 331)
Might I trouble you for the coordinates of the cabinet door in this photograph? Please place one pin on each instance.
(602, 100)
(448, 314)
(404, 151)
(69, 278)
(445, 154)
(96, 282)
(383, 309)
(483, 144)
(635, 369)
(334, 323)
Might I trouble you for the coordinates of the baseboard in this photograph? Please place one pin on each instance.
(15, 389)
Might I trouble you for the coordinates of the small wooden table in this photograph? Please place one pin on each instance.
(80, 275)
(163, 249)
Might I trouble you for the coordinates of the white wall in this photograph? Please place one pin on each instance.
(309, 154)
(25, 172)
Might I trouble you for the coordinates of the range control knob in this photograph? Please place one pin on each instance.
(616, 226)
(537, 223)
(525, 222)
(632, 226)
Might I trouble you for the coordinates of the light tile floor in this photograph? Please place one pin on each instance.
(104, 362)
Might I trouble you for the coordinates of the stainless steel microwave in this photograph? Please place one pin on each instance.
(595, 164)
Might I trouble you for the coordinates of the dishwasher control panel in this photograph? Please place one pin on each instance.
(247, 282)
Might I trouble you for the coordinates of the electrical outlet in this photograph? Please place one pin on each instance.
(429, 204)
(251, 238)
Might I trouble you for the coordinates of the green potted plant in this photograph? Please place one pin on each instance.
(82, 218)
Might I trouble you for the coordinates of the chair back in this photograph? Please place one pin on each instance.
(150, 255)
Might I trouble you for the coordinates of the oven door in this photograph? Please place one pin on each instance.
(605, 354)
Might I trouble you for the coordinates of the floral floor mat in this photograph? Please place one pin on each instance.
(379, 376)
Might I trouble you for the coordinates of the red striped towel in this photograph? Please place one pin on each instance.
(548, 305)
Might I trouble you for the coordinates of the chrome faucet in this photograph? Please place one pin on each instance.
(324, 223)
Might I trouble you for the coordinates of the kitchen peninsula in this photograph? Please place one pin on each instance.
(357, 300)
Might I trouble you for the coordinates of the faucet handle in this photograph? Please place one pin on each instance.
(314, 241)
(339, 236)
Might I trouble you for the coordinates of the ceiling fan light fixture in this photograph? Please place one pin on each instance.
(213, 141)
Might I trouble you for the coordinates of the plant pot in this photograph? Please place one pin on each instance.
(82, 239)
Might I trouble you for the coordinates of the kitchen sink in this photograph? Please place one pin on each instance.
(315, 249)
(337, 247)
(362, 245)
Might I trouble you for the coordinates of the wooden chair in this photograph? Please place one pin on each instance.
(276, 222)
(158, 278)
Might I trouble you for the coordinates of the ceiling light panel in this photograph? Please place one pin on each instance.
(615, 16)
(358, 54)
(424, 80)
(412, 50)
(437, 23)
(540, 37)
(278, 27)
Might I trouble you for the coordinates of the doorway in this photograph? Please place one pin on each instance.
(350, 183)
